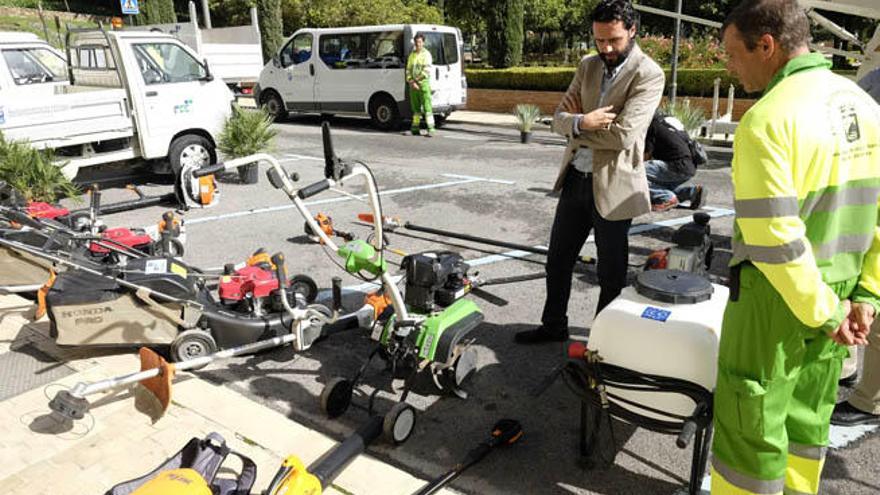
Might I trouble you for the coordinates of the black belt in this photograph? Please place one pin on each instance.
(580, 174)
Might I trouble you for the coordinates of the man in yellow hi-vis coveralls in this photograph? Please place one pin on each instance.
(418, 78)
(805, 272)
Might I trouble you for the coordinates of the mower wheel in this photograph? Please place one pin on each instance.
(336, 397)
(399, 423)
(304, 285)
(192, 344)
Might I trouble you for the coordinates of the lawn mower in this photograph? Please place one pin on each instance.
(161, 304)
(422, 334)
(82, 235)
(651, 362)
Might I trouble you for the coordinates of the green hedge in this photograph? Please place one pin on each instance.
(691, 82)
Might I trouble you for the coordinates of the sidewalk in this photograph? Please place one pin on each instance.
(117, 442)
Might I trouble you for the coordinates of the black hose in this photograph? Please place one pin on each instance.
(584, 380)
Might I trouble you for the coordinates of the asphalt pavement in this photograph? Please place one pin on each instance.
(478, 180)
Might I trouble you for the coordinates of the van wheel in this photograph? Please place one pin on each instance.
(274, 105)
(191, 150)
(383, 111)
(440, 119)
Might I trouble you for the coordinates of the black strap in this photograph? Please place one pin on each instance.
(734, 281)
(248, 476)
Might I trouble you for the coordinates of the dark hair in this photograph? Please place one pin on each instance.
(785, 20)
(615, 10)
(419, 36)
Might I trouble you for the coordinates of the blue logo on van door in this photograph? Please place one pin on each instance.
(2, 116)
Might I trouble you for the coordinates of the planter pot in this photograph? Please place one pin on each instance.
(525, 137)
(249, 174)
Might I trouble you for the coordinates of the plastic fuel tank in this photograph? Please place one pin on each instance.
(668, 324)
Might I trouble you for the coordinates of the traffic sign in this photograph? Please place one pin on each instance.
(129, 7)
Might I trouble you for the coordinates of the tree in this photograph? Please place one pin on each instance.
(156, 12)
(271, 26)
(340, 13)
(504, 37)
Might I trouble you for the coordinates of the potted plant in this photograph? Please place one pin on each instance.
(33, 173)
(246, 132)
(691, 117)
(526, 116)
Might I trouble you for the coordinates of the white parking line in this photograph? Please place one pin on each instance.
(482, 179)
(713, 212)
(294, 157)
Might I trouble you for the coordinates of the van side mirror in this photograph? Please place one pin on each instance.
(276, 61)
(208, 77)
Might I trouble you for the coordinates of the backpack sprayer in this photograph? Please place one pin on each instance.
(413, 338)
(651, 362)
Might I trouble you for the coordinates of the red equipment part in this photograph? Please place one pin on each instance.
(253, 279)
(577, 350)
(45, 210)
(136, 239)
(657, 260)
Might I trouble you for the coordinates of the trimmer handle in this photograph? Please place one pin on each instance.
(209, 170)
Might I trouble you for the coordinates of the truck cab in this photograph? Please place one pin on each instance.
(29, 66)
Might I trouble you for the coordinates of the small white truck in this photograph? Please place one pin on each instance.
(234, 53)
(29, 65)
(131, 95)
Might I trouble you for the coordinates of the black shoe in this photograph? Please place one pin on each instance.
(847, 415)
(697, 198)
(540, 335)
(849, 382)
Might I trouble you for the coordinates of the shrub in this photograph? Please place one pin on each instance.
(526, 115)
(691, 82)
(691, 117)
(246, 132)
(698, 53)
(33, 172)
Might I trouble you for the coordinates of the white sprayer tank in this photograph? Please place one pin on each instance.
(667, 324)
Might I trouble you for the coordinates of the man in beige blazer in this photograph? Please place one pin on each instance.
(605, 115)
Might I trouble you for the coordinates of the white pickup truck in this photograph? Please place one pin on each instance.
(132, 95)
(29, 65)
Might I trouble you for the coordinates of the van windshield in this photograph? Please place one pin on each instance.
(34, 65)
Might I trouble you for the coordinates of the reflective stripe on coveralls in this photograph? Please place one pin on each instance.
(418, 69)
(806, 175)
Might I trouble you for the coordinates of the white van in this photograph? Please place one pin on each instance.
(360, 71)
(29, 65)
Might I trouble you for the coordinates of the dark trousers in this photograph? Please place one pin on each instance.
(576, 216)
